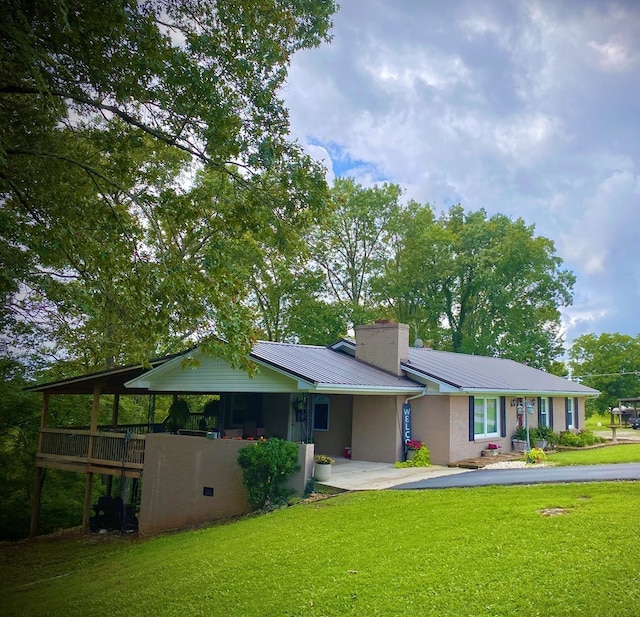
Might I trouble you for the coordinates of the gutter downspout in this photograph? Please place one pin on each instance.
(400, 419)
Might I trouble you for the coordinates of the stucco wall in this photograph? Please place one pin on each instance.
(430, 424)
(338, 436)
(178, 470)
(376, 428)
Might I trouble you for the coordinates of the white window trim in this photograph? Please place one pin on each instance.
(484, 399)
(570, 413)
(544, 410)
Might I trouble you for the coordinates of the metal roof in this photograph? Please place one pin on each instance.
(325, 367)
(469, 373)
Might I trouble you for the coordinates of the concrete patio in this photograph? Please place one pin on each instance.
(348, 475)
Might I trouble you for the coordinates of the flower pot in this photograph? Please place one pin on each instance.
(322, 471)
(519, 445)
(491, 452)
(540, 443)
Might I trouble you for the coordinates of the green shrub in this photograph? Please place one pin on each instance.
(580, 439)
(535, 455)
(520, 434)
(545, 433)
(422, 458)
(266, 467)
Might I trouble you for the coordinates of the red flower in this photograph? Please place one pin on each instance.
(493, 446)
(414, 444)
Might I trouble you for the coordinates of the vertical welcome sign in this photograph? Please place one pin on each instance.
(406, 422)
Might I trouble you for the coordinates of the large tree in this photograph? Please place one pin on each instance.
(142, 145)
(349, 248)
(610, 363)
(477, 284)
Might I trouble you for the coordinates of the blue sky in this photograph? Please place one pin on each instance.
(531, 109)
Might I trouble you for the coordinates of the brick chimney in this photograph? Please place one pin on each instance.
(384, 344)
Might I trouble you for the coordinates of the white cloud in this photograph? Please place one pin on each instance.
(526, 108)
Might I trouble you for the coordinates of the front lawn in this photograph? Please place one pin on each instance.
(621, 453)
(536, 550)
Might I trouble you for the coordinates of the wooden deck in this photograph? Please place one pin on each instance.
(104, 452)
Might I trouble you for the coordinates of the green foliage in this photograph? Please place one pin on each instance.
(178, 415)
(162, 149)
(422, 458)
(323, 459)
(620, 453)
(334, 557)
(609, 363)
(267, 466)
(580, 439)
(535, 455)
(545, 433)
(520, 433)
(477, 284)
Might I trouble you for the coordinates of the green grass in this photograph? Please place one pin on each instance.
(621, 453)
(483, 551)
(591, 423)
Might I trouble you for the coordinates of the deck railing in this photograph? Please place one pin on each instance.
(111, 449)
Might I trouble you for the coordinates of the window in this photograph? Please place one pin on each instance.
(570, 422)
(543, 412)
(485, 417)
(320, 413)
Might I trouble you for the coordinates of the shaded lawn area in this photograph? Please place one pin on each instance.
(482, 551)
(621, 453)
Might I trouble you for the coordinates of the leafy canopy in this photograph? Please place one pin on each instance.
(143, 145)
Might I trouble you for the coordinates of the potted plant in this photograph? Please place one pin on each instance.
(322, 469)
(543, 437)
(413, 445)
(519, 439)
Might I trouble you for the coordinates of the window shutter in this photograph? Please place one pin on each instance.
(472, 432)
(503, 416)
(550, 414)
(566, 413)
(539, 411)
(575, 413)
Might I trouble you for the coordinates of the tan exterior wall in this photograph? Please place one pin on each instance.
(430, 424)
(384, 345)
(376, 428)
(178, 468)
(334, 441)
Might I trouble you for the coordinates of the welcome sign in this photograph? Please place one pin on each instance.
(406, 422)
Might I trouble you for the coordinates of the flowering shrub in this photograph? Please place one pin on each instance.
(422, 459)
(323, 459)
(493, 446)
(414, 444)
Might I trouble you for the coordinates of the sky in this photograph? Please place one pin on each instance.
(526, 108)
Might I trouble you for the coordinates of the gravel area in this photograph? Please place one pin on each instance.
(513, 465)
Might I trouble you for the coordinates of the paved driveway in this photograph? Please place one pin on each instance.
(531, 475)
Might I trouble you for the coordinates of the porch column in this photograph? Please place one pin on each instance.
(115, 411)
(93, 429)
(86, 510)
(39, 478)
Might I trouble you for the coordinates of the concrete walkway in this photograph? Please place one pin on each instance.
(351, 475)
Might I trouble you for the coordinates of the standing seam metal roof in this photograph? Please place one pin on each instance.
(486, 373)
(321, 365)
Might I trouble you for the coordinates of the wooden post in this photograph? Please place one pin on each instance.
(86, 510)
(36, 498)
(93, 429)
(35, 502)
(115, 411)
